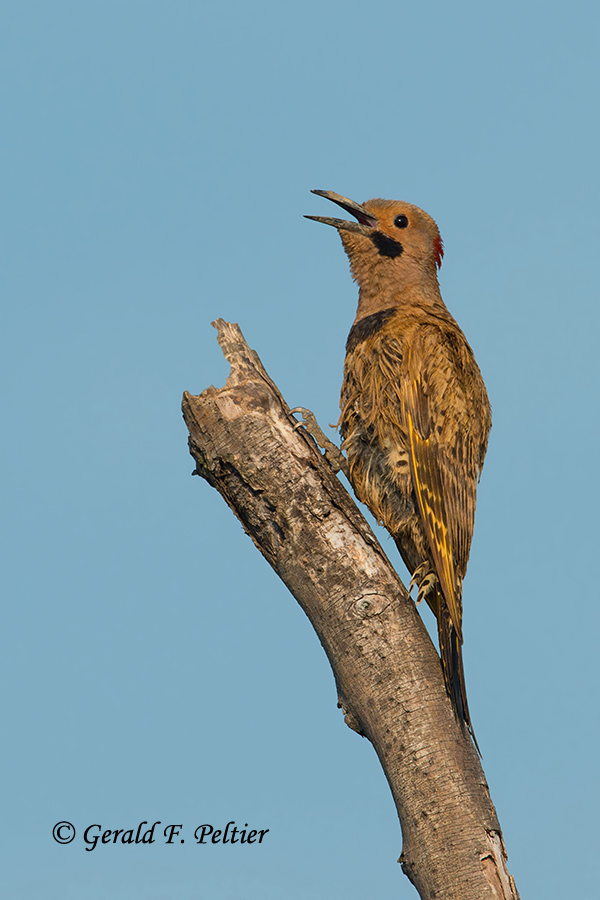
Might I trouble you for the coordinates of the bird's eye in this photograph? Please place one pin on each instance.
(401, 221)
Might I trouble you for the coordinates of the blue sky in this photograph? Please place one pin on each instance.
(156, 164)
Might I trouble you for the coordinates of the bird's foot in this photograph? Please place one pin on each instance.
(333, 454)
(426, 579)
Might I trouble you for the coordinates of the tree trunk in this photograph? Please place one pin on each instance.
(387, 671)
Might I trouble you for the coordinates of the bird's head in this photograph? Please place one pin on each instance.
(391, 243)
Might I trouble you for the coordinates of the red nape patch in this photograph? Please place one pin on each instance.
(438, 249)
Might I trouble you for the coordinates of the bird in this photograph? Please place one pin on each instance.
(415, 414)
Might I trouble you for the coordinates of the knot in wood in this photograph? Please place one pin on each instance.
(368, 605)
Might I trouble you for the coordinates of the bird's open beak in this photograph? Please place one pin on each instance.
(365, 224)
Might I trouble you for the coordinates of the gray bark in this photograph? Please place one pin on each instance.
(387, 671)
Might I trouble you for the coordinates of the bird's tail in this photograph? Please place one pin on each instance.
(452, 665)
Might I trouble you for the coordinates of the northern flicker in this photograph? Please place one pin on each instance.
(415, 413)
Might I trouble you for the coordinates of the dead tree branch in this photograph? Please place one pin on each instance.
(387, 671)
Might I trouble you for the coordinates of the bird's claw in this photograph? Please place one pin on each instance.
(308, 420)
(333, 454)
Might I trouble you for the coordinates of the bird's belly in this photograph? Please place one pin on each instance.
(380, 474)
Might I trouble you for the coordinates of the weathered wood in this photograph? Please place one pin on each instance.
(387, 671)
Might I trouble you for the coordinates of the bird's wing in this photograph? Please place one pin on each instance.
(443, 427)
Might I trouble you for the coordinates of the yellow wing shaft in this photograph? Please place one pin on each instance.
(436, 529)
